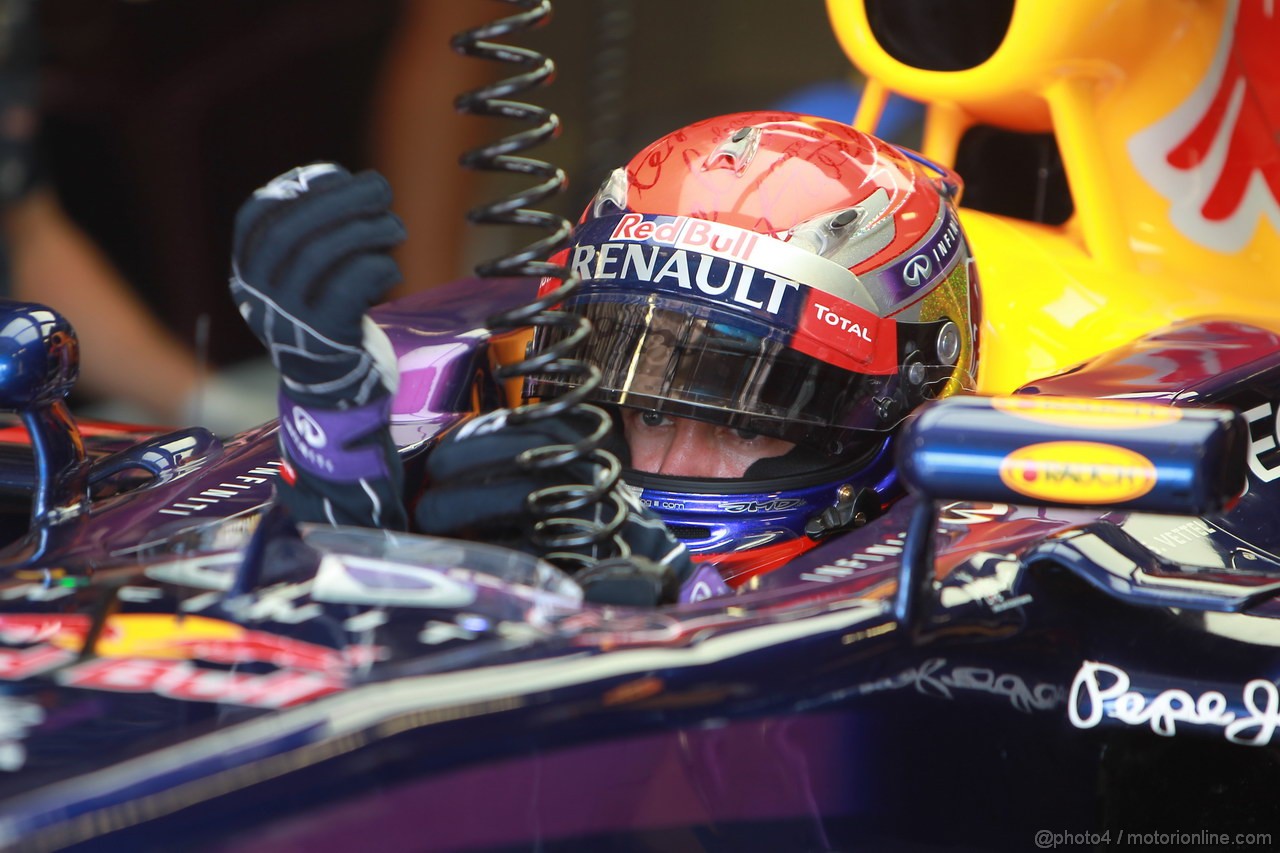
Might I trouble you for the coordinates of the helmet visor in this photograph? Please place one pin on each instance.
(685, 360)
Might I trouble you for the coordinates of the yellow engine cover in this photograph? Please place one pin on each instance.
(1167, 117)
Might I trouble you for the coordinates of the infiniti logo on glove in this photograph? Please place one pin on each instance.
(309, 430)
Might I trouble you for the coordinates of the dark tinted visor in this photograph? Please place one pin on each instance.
(684, 360)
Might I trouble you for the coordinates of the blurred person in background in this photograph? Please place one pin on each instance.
(47, 258)
(159, 117)
(156, 118)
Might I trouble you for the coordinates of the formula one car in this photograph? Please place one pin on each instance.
(1069, 627)
(181, 662)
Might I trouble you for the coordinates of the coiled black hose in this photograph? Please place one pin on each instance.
(612, 37)
(567, 516)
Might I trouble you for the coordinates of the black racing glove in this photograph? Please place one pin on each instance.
(478, 490)
(310, 257)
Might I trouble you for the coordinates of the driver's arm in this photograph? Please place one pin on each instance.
(311, 255)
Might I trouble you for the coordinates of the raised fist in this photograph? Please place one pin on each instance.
(310, 257)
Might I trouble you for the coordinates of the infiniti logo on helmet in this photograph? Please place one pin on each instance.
(917, 271)
(920, 268)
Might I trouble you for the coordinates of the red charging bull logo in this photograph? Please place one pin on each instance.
(1244, 109)
(156, 653)
(1217, 156)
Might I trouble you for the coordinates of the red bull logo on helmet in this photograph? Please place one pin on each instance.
(701, 235)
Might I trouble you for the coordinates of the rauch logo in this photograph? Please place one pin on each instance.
(1078, 472)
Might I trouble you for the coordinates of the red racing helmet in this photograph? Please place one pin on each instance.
(782, 274)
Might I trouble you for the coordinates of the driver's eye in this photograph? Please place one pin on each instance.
(745, 435)
(652, 419)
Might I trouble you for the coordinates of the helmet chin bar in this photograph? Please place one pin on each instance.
(720, 516)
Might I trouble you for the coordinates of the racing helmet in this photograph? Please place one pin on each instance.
(784, 275)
